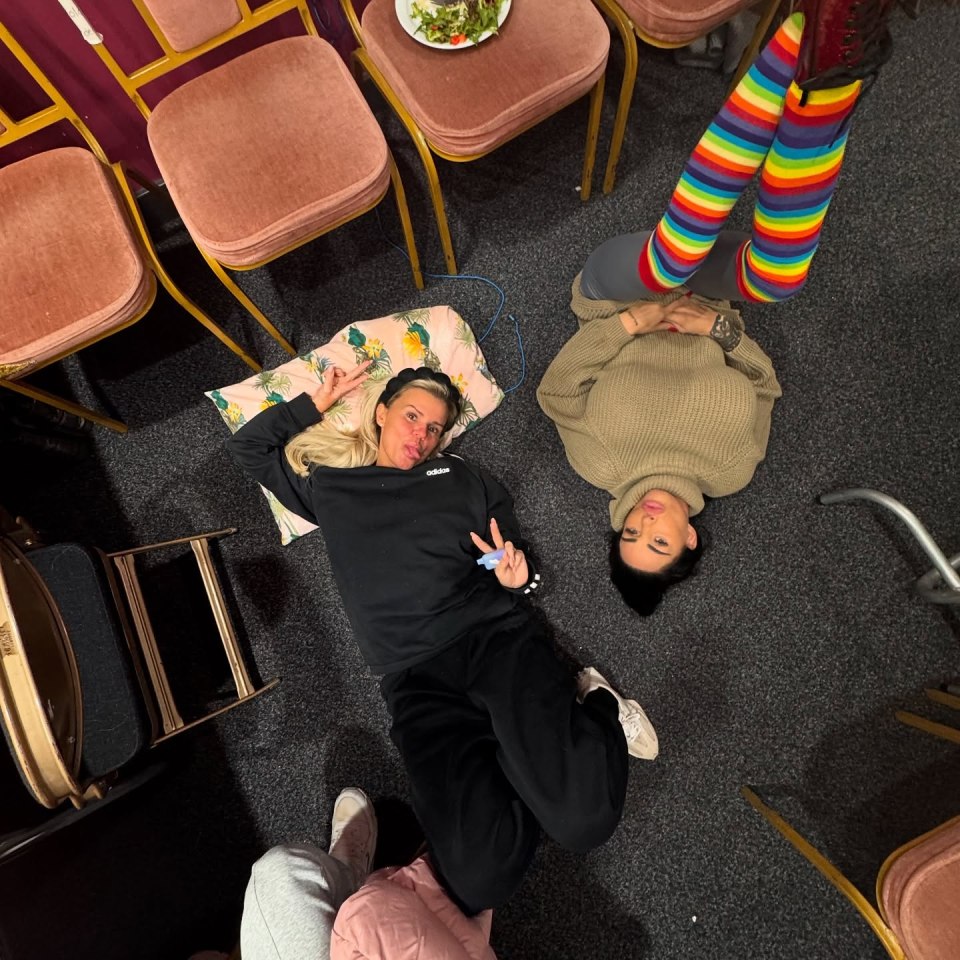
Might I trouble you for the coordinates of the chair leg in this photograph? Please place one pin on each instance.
(149, 547)
(929, 726)
(35, 393)
(217, 713)
(247, 303)
(439, 211)
(401, 197)
(630, 56)
(200, 315)
(120, 174)
(593, 135)
(941, 696)
(426, 156)
(815, 857)
(228, 635)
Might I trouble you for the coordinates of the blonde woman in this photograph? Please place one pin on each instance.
(499, 740)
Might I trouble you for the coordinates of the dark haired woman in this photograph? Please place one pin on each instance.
(499, 740)
(659, 419)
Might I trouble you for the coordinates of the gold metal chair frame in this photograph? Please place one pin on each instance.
(629, 33)
(50, 776)
(60, 110)
(874, 916)
(426, 149)
(171, 60)
(942, 730)
(48, 773)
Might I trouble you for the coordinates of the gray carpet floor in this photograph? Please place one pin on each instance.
(780, 665)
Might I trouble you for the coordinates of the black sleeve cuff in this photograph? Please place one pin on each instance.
(533, 585)
(304, 411)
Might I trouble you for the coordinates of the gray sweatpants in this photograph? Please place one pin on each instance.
(610, 272)
(291, 901)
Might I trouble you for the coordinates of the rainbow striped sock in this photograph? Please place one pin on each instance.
(722, 164)
(796, 184)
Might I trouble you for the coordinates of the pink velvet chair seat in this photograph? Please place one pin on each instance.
(920, 895)
(680, 21)
(70, 266)
(268, 149)
(548, 54)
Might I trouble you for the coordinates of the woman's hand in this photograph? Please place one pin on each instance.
(643, 318)
(337, 383)
(512, 570)
(690, 316)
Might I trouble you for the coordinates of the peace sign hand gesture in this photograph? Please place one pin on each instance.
(512, 570)
(337, 383)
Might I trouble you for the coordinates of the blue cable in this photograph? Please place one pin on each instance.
(496, 313)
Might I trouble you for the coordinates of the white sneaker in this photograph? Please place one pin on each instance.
(641, 737)
(353, 831)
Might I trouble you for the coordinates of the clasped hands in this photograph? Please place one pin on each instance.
(511, 571)
(680, 316)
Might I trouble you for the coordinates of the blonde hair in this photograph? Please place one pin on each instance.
(325, 445)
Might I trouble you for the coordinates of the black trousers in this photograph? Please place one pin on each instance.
(497, 747)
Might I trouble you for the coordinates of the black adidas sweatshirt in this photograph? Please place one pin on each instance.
(398, 540)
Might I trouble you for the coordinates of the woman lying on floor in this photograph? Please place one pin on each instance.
(498, 738)
(661, 420)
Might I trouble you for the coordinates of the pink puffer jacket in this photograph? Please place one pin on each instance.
(404, 914)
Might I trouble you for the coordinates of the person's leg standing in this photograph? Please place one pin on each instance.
(722, 165)
(797, 183)
(632, 266)
(790, 115)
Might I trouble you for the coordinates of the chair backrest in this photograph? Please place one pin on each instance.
(12, 130)
(184, 30)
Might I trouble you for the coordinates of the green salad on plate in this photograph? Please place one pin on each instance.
(456, 22)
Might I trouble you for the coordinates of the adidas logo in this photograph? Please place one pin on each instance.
(433, 473)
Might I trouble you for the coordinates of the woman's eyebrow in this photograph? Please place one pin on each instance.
(419, 412)
(655, 550)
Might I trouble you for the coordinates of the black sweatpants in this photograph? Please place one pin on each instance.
(497, 747)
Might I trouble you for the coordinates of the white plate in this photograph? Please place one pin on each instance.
(410, 24)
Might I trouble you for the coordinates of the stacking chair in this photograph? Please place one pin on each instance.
(265, 152)
(83, 688)
(917, 890)
(669, 24)
(463, 105)
(76, 260)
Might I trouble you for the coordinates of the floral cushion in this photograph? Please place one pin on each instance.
(437, 337)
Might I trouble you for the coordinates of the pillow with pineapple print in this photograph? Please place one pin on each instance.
(437, 337)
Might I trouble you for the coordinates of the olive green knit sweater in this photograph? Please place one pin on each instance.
(665, 411)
